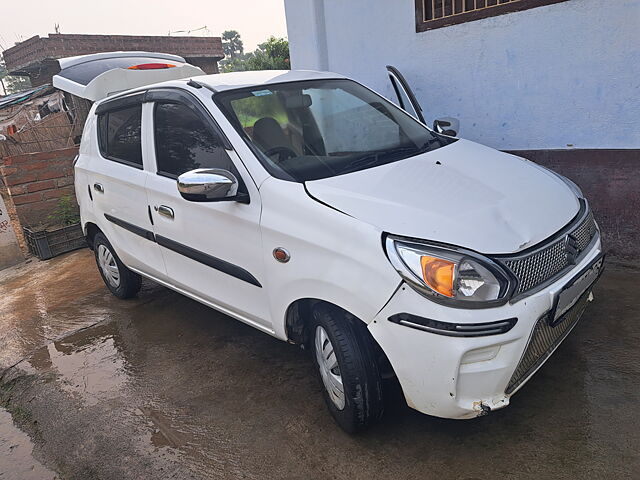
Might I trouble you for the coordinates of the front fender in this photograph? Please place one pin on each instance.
(333, 256)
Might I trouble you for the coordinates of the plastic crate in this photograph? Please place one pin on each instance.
(48, 244)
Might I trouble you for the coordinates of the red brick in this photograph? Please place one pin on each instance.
(42, 155)
(47, 174)
(27, 198)
(15, 160)
(37, 186)
(19, 179)
(57, 193)
(29, 157)
(18, 190)
(29, 167)
(6, 171)
(63, 182)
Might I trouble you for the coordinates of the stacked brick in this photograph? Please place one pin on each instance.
(36, 181)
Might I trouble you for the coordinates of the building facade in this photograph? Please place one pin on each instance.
(557, 81)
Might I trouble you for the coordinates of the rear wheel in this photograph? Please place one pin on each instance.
(121, 281)
(347, 367)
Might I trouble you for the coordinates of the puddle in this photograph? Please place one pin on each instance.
(40, 301)
(16, 459)
(87, 362)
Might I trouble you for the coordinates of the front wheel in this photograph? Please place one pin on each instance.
(348, 369)
(121, 281)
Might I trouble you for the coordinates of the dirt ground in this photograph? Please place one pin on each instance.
(162, 387)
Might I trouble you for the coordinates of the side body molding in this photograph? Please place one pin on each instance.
(196, 255)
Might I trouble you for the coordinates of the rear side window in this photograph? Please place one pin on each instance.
(119, 134)
(184, 141)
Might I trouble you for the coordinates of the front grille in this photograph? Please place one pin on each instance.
(540, 266)
(544, 340)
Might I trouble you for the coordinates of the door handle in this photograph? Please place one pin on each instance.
(165, 211)
(98, 187)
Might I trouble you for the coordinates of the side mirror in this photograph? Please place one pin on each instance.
(447, 126)
(210, 185)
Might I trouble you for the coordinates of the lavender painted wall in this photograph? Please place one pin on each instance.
(561, 76)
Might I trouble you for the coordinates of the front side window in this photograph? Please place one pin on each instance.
(119, 134)
(185, 142)
(322, 128)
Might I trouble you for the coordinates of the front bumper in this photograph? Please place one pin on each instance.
(454, 377)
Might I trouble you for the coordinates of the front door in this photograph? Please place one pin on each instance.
(212, 250)
(406, 99)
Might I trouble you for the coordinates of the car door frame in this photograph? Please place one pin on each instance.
(170, 246)
(128, 229)
(400, 85)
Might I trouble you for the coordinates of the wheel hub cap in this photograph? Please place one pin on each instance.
(108, 266)
(329, 368)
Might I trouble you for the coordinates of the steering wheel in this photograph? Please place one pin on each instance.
(283, 153)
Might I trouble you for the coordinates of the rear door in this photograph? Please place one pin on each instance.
(406, 99)
(116, 175)
(100, 75)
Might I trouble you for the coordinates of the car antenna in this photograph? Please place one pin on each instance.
(194, 84)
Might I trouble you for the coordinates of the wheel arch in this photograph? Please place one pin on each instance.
(298, 319)
(90, 232)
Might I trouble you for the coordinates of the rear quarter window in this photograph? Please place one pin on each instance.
(119, 135)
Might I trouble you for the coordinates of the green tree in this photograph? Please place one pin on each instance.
(11, 83)
(232, 44)
(270, 55)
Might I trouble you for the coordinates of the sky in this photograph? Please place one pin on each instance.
(256, 20)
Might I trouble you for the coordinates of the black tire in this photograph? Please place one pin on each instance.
(128, 283)
(357, 368)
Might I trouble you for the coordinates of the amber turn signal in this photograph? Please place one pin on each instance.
(438, 274)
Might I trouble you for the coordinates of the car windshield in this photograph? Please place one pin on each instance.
(322, 128)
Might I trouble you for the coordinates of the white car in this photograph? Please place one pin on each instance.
(310, 207)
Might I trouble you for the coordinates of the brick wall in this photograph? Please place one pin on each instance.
(610, 179)
(36, 181)
(31, 53)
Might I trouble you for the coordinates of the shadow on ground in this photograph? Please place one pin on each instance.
(163, 387)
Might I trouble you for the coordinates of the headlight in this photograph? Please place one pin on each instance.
(448, 274)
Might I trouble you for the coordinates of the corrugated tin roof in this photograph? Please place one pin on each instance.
(25, 95)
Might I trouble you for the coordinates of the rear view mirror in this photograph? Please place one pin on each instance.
(447, 126)
(298, 101)
(210, 185)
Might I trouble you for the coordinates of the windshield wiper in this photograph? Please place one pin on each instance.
(362, 162)
(379, 157)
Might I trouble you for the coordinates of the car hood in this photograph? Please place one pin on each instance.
(463, 194)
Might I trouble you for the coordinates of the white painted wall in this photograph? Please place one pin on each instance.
(550, 77)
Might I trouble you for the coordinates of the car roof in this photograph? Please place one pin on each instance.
(230, 81)
(220, 82)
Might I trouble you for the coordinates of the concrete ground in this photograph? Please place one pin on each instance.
(162, 387)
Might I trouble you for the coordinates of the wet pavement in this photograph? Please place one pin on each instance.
(163, 387)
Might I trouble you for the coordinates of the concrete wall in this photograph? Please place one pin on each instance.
(611, 182)
(37, 181)
(10, 253)
(563, 75)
